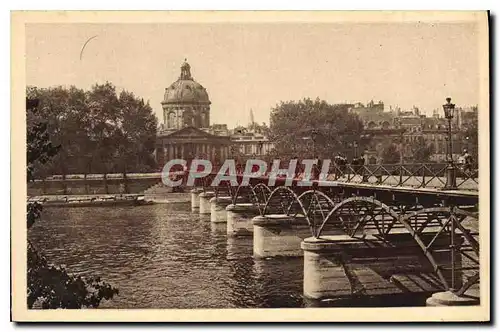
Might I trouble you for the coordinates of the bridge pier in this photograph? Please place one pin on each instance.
(218, 206)
(448, 298)
(340, 266)
(279, 235)
(195, 199)
(324, 275)
(205, 201)
(239, 218)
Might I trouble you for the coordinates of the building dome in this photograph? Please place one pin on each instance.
(186, 90)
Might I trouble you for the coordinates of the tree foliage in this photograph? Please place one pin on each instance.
(98, 130)
(421, 151)
(310, 127)
(53, 287)
(50, 286)
(470, 136)
(39, 149)
(389, 153)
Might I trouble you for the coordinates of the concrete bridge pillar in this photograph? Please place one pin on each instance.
(279, 235)
(205, 201)
(218, 206)
(195, 199)
(448, 299)
(239, 218)
(339, 266)
(324, 275)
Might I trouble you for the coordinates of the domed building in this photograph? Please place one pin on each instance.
(185, 131)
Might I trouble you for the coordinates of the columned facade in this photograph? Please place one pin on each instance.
(190, 143)
(184, 145)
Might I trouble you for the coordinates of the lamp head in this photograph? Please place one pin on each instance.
(448, 108)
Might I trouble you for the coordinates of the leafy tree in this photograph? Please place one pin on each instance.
(136, 134)
(39, 149)
(103, 107)
(64, 113)
(310, 127)
(421, 151)
(98, 131)
(389, 154)
(51, 286)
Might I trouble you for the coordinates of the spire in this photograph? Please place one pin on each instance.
(252, 120)
(186, 71)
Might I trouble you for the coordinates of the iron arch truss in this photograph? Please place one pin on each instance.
(446, 235)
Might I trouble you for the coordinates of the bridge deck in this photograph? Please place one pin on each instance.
(376, 187)
(402, 189)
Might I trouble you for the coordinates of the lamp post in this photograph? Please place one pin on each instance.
(314, 134)
(312, 138)
(401, 143)
(451, 181)
(260, 144)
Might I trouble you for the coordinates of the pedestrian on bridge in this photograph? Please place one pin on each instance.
(316, 171)
(340, 162)
(467, 161)
(358, 164)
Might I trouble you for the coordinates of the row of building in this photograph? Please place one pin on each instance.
(186, 132)
(409, 127)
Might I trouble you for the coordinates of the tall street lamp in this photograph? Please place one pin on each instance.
(451, 181)
(314, 135)
(260, 144)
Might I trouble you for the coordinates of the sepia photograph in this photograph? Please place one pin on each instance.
(329, 166)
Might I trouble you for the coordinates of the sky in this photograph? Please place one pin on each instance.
(257, 65)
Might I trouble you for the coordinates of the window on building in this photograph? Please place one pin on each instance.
(248, 149)
(171, 120)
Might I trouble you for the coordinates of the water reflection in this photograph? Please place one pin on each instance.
(203, 218)
(239, 247)
(218, 229)
(279, 281)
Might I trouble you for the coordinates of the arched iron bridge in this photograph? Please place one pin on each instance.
(361, 209)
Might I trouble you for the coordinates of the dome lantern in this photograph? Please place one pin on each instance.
(186, 71)
(186, 90)
(186, 102)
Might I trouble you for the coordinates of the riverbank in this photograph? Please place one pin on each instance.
(109, 200)
(89, 200)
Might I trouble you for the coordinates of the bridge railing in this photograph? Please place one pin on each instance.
(412, 175)
(425, 175)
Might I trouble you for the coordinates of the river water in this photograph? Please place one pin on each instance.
(164, 256)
